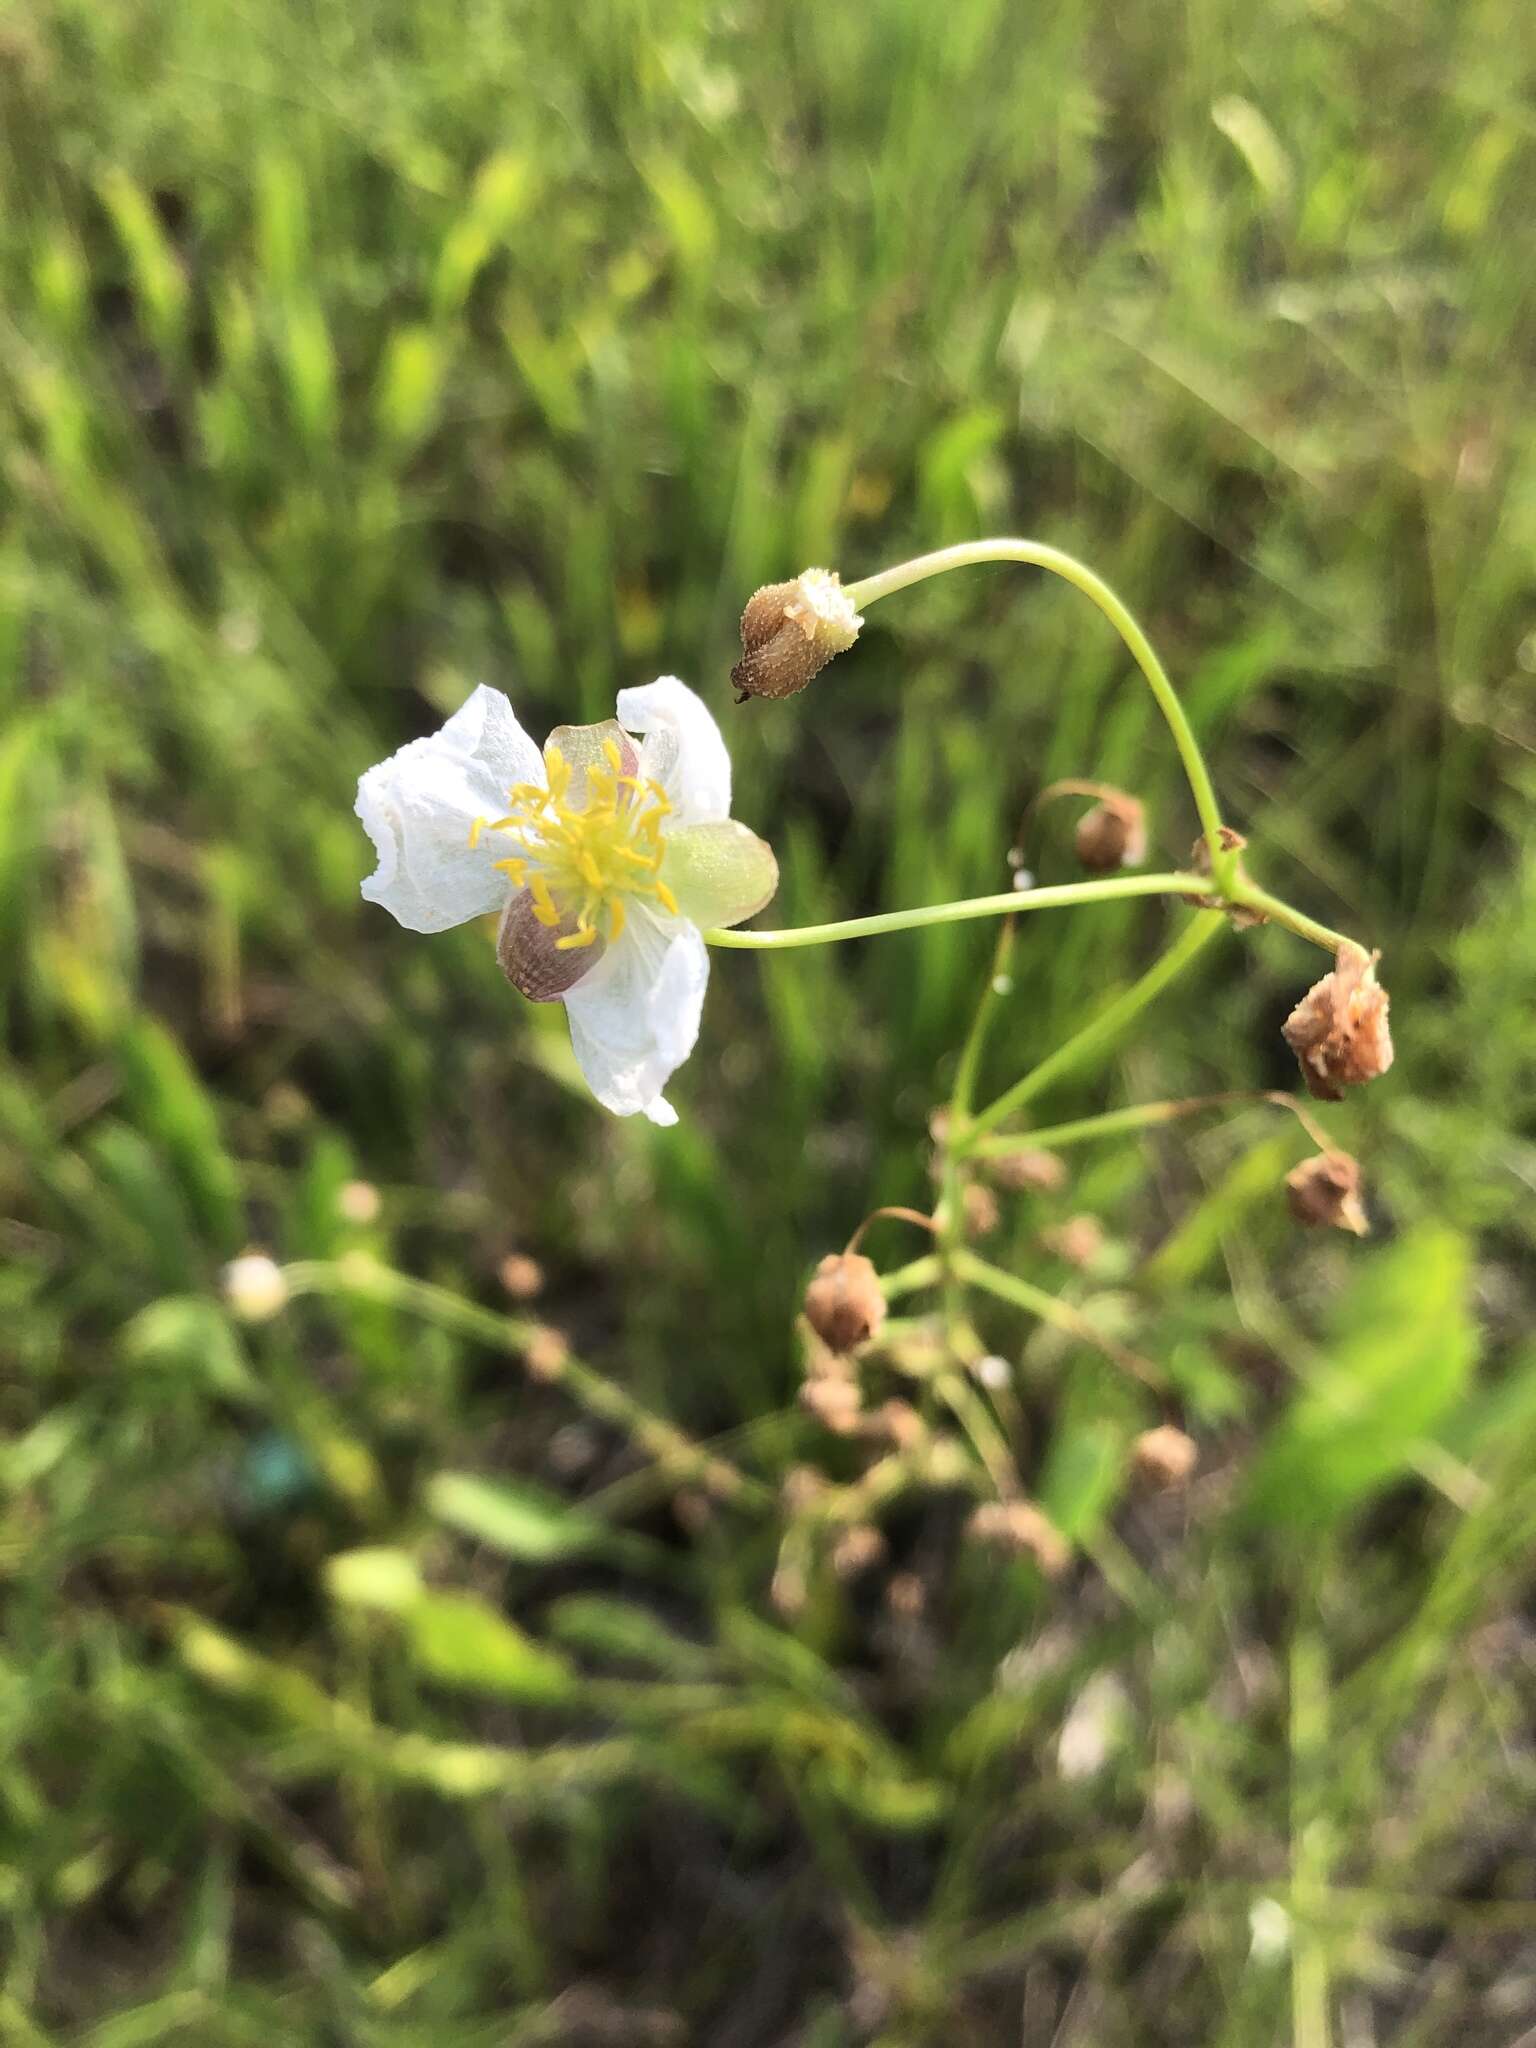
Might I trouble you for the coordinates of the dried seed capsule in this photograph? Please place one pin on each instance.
(1339, 1030)
(1325, 1190)
(1079, 1240)
(1113, 834)
(790, 631)
(1165, 1455)
(1034, 1171)
(1022, 1530)
(844, 1304)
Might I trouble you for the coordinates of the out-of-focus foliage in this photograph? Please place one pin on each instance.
(350, 355)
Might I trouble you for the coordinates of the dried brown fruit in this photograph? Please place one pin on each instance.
(1079, 1240)
(1325, 1191)
(844, 1304)
(1031, 1170)
(1113, 834)
(1022, 1530)
(790, 631)
(1165, 1455)
(979, 1210)
(1339, 1030)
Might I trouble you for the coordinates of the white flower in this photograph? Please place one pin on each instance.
(605, 856)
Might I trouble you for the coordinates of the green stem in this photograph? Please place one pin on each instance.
(674, 1451)
(1099, 1030)
(1252, 897)
(1140, 1116)
(1049, 1309)
(1037, 554)
(1057, 898)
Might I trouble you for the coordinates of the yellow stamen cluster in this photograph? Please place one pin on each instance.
(585, 861)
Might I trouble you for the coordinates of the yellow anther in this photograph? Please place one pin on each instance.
(584, 862)
(543, 903)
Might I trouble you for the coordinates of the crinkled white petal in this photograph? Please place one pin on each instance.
(683, 751)
(419, 806)
(635, 1017)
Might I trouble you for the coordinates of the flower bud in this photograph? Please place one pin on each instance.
(844, 1304)
(790, 631)
(1023, 1531)
(547, 1353)
(1339, 1031)
(1325, 1190)
(836, 1404)
(1079, 1240)
(255, 1288)
(896, 1423)
(856, 1549)
(358, 1202)
(1165, 1455)
(1028, 1171)
(521, 1276)
(1113, 834)
(978, 1209)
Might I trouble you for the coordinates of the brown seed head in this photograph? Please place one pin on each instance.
(844, 1304)
(1022, 1530)
(1165, 1455)
(1339, 1030)
(1325, 1190)
(1113, 834)
(790, 631)
(1029, 1171)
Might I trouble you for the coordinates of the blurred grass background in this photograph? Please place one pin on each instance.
(352, 355)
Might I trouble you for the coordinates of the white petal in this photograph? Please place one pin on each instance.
(684, 751)
(418, 808)
(635, 1017)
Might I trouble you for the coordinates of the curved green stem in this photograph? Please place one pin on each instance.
(1099, 1031)
(1251, 897)
(1037, 554)
(1057, 898)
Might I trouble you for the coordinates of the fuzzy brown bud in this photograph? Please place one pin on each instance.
(1165, 1456)
(979, 1210)
(856, 1549)
(547, 1354)
(836, 1404)
(790, 631)
(1339, 1030)
(844, 1304)
(521, 1276)
(1033, 1172)
(1023, 1531)
(896, 1423)
(1079, 1240)
(1325, 1191)
(1113, 834)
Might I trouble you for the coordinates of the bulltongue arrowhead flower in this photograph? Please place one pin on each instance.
(606, 855)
